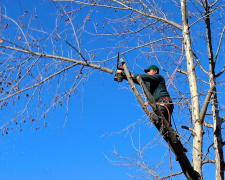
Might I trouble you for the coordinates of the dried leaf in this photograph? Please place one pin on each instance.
(88, 17)
(32, 120)
(6, 26)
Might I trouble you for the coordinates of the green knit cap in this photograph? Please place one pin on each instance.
(154, 67)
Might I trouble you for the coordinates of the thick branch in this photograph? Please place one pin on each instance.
(60, 58)
(174, 174)
(219, 45)
(133, 87)
(183, 72)
(221, 72)
(206, 124)
(209, 161)
(207, 73)
(206, 102)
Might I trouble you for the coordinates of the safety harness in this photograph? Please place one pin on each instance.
(167, 103)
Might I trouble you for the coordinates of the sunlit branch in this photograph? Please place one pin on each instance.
(208, 149)
(221, 72)
(174, 174)
(91, 4)
(200, 18)
(124, 33)
(213, 3)
(206, 124)
(37, 84)
(219, 45)
(75, 34)
(183, 72)
(145, 6)
(126, 8)
(206, 102)
(60, 58)
(207, 73)
(209, 161)
(199, 2)
(151, 15)
(18, 65)
(19, 28)
(27, 72)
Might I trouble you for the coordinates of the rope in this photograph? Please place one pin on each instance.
(174, 72)
(171, 172)
(169, 115)
(169, 120)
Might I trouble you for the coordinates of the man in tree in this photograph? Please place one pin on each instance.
(155, 84)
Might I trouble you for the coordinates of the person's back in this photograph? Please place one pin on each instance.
(155, 83)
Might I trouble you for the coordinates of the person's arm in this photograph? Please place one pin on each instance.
(134, 79)
(146, 77)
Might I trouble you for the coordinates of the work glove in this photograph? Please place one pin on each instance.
(120, 67)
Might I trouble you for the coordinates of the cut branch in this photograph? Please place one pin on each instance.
(85, 63)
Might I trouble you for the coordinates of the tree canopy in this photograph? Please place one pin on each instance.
(46, 59)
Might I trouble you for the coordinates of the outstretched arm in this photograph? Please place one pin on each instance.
(146, 77)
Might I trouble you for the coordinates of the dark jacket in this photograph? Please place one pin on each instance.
(155, 84)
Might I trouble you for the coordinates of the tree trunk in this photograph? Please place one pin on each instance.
(218, 146)
(197, 125)
(217, 121)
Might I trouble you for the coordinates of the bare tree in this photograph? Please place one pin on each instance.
(185, 38)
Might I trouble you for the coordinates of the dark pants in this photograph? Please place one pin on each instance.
(159, 125)
(158, 121)
(156, 118)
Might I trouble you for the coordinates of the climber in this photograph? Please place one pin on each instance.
(155, 83)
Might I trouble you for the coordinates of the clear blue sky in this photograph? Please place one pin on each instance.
(77, 151)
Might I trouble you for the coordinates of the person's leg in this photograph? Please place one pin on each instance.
(158, 121)
(159, 125)
(156, 118)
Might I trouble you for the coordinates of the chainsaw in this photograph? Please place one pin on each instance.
(119, 71)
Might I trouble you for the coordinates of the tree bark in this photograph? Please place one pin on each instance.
(217, 121)
(197, 124)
